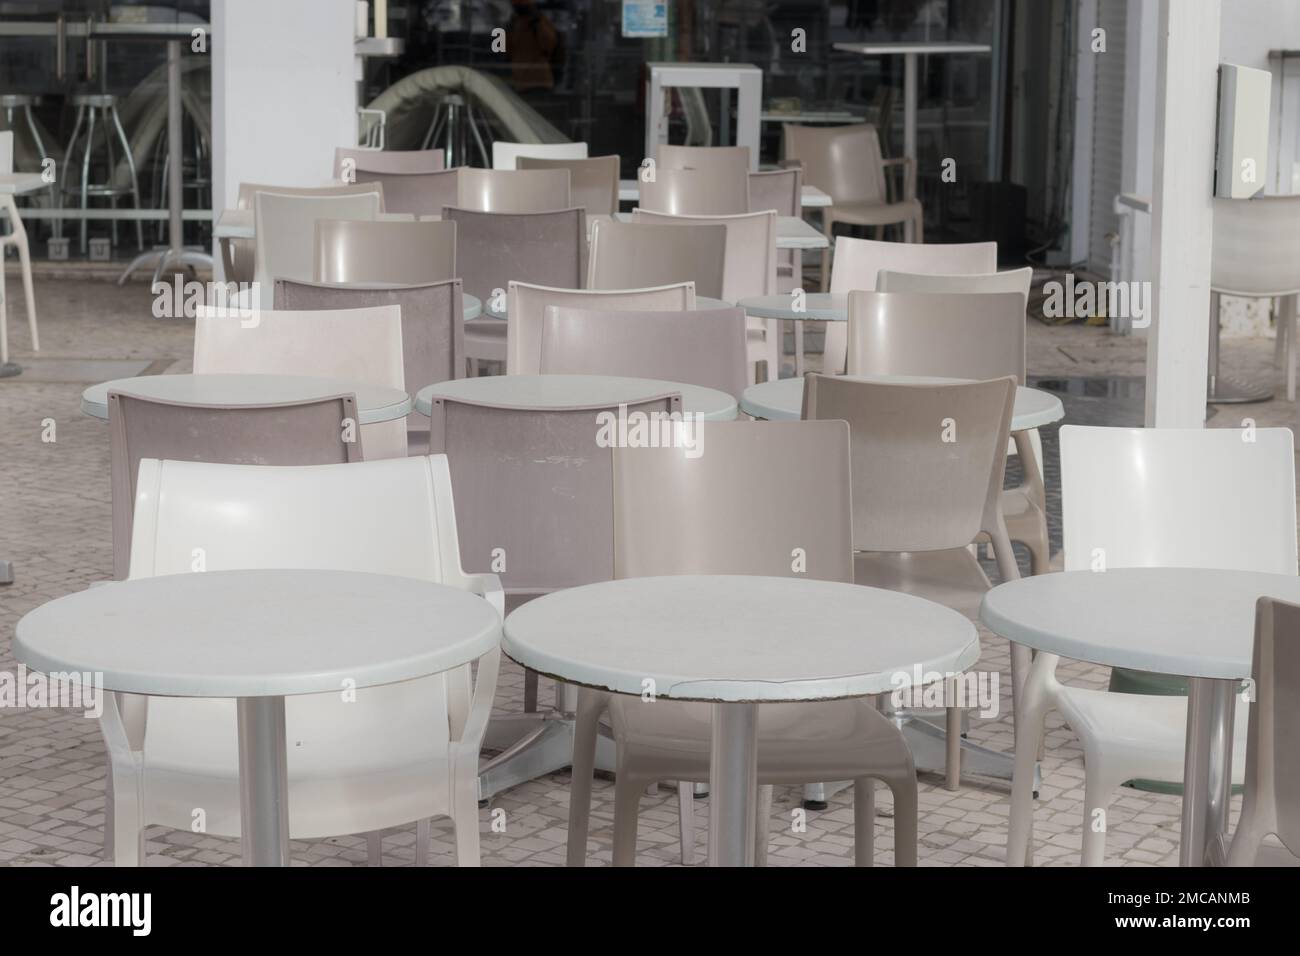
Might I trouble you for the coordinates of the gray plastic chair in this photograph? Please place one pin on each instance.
(638, 254)
(419, 194)
(365, 161)
(286, 231)
(293, 433)
(527, 305)
(782, 190)
(675, 514)
(593, 182)
(928, 463)
(734, 159)
(699, 192)
(697, 348)
(513, 190)
(433, 329)
(1271, 805)
(495, 249)
(408, 253)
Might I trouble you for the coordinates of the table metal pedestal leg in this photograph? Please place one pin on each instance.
(263, 782)
(909, 105)
(733, 784)
(1207, 771)
(798, 349)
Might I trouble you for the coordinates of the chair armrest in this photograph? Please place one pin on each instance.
(470, 740)
(908, 166)
(488, 586)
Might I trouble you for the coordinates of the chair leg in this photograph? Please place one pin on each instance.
(952, 734)
(124, 831)
(1289, 313)
(423, 831)
(864, 822)
(686, 821)
(25, 263)
(762, 824)
(828, 228)
(1098, 785)
(1029, 731)
(464, 817)
(627, 812)
(374, 848)
(586, 726)
(530, 691)
(906, 814)
(4, 314)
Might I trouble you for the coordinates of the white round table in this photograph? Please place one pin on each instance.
(258, 636)
(560, 391)
(702, 302)
(737, 641)
(782, 400)
(814, 307)
(375, 403)
(1190, 622)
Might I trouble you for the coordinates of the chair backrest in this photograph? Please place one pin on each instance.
(731, 158)
(296, 433)
(534, 488)
(750, 265)
(432, 322)
(513, 190)
(1013, 280)
(6, 152)
(630, 255)
(844, 162)
(418, 194)
(1272, 798)
(699, 192)
(705, 348)
(676, 512)
(409, 253)
(593, 182)
(286, 230)
(1178, 497)
(927, 460)
(507, 155)
(1256, 246)
(932, 334)
(496, 248)
(361, 161)
(779, 189)
(858, 261)
(527, 306)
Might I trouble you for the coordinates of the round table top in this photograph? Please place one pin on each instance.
(781, 400)
(266, 633)
(702, 302)
(375, 403)
(738, 638)
(818, 307)
(1190, 622)
(559, 391)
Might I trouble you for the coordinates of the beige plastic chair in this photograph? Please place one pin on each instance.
(239, 255)
(495, 249)
(1271, 805)
(749, 270)
(527, 306)
(732, 159)
(286, 231)
(293, 433)
(433, 330)
(1024, 507)
(699, 192)
(593, 182)
(634, 255)
(664, 498)
(506, 155)
(513, 190)
(355, 345)
(928, 462)
(17, 238)
(421, 195)
(407, 253)
(845, 162)
(362, 161)
(782, 190)
(858, 262)
(697, 348)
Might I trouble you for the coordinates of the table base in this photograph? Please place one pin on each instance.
(1207, 771)
(532, 746)
(10, 370)
(263, 782)
(161, 257)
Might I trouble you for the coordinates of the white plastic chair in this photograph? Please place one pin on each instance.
(504, 154)
(397, 753)
(858, 262)
(18, 239)
(1147, 497)
(286, 232)
(361, 346)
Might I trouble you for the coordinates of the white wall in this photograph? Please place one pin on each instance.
(283, 91)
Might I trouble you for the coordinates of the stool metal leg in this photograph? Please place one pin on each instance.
(85, 172)
(130, 164)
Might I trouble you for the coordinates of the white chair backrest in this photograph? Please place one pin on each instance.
(385, 517)
(357, 345)
(749, 268)
(1178, 497)
(6, 152)
(1013, 280)
(1256, 246)
(527, 306)
(504, 154)
(286, 232)
(858, 261)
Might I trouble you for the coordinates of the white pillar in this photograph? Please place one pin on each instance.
(284, 92)
(1182, 213)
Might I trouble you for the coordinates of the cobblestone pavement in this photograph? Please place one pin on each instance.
(54, 526)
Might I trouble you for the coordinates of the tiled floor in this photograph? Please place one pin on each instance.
(54, 525)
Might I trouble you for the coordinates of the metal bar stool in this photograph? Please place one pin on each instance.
(104, 106)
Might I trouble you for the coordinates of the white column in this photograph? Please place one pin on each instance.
(1182, 213)
(284, 92)
(1139, 121)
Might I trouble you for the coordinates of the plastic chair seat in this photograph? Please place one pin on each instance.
(952, 578)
